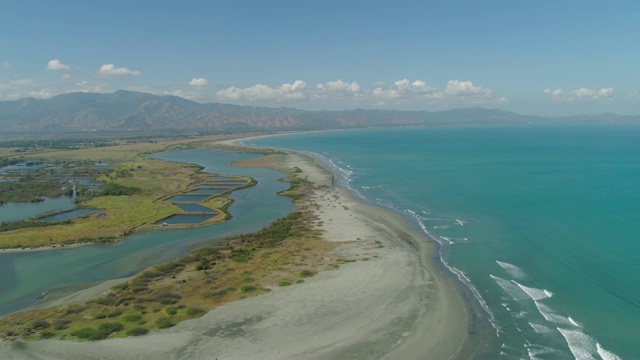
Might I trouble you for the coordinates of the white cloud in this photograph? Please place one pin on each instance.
(55, 64)
(336, 90)
(110, 69)
(401, 89)
(66, 76)
(6, 65)
(294, 91)
(414, 94)
(465, 88)
(580, 94)
(41, 94)
(198, 82)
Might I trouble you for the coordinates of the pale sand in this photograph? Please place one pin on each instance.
(396, 305)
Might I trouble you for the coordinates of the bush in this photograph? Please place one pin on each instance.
(305, 273)
(131, 317)
(137, 331)
(247, 288)
(46, 334)
(194, 311)
(61, 324)
(171, 310)
(110, 327)
(168, 298)
(164, 322)
(40, 324)
(89, 334)
(284, 283)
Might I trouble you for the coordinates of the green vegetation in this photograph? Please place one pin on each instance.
(27, 190)
(43, 144)
(115, 189)
(15, 225)
(188, 287)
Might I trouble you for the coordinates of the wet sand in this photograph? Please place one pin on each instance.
(390, 304)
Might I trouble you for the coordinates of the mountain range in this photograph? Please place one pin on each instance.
(128, 111)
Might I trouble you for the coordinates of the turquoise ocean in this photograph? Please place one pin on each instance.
(540, 224)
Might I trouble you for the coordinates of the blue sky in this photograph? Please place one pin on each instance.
(532, 57)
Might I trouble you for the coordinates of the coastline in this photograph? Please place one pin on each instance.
(391, 303)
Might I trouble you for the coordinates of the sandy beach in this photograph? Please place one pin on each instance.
(390, 304)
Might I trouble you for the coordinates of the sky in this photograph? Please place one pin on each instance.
(528, 56)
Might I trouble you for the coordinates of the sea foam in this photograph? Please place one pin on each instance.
(581, 345)
(510, 288)
(606, 354)
(551, 316)
(512, 269)
(534, 293)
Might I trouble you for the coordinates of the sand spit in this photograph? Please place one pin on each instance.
(390, 304)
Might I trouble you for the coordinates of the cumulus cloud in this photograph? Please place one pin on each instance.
(66, 76)
(401, 89)
(465, 88)
(6, 65)
(55, 64)
(336, 90)
(580, 94)
(288, 91)
(198, 82)
(401, 92)
(110, 69)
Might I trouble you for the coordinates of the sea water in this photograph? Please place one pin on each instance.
(540, 223)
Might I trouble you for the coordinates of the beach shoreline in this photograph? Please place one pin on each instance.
(392, 303)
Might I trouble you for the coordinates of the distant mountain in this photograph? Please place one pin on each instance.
(134, 111)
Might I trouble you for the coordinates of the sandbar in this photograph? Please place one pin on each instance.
(393, 303)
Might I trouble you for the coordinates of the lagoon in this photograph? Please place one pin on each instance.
(27, 210)
(28, 274)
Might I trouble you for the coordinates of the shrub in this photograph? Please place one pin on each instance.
(305, 273)
(171, 310)
(247, 288)
(131, 317)
(194, 311)
(110, 327)
(168, 298)
(284, 283)
(46, 334)
(40, 324)
(164, 322)
(89, 334)
(114, 313)
(137, 331)
(61, 324)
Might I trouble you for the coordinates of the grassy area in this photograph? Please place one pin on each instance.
(143, 181)
(283, 254)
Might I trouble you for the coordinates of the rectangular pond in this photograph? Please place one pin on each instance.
(68, 215)
(194, 198)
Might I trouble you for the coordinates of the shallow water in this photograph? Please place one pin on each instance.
(27, 210)
(539, 222)
(27, 274)
(69, 215)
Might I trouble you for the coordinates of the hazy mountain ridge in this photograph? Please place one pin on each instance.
(135, 111)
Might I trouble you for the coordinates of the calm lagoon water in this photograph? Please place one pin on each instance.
(540, 223)
(27, 274)
(69, 215)
(26, 210)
